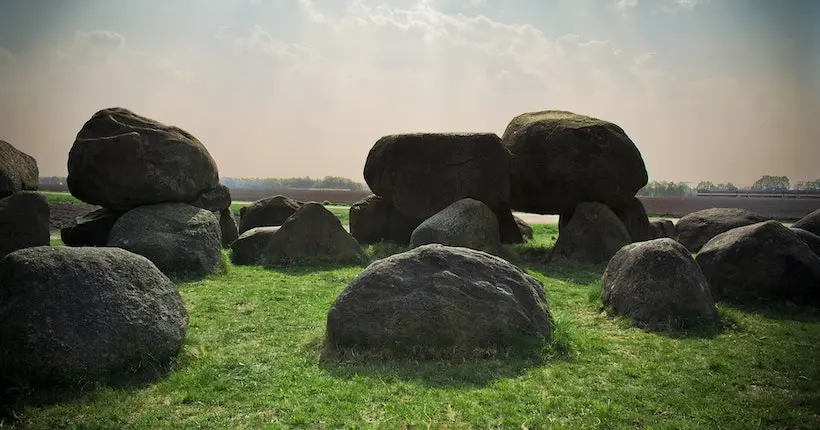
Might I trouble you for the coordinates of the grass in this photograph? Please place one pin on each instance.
(61, 197)
(252, 360)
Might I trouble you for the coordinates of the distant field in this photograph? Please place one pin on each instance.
(776, 208)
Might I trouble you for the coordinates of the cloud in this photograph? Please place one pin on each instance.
(690, 4)
(626, 4)
(312, 96)
(309, 8)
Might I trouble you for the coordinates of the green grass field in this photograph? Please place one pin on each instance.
(252, 360)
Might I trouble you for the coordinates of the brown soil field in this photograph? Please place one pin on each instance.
(776, 208)
(306, 195)
(63, 214)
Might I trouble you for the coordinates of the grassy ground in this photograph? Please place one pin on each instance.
(252, 360)
(60, 197)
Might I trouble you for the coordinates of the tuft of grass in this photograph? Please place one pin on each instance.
(253, 359)
(61, 197)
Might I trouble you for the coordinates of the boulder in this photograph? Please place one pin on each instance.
(466, 223)
(696, 228)
(656, 230)
(810, 222)
(422, 173)
(593, 235)
(439, 301)
(183, 241)
(249, 248)
(227, 225)
(18, 171)
(662, 228)
(374, 219)
(658, 285)
(91, 229)
(811, 239)
(669, 228)
(214, 199)
(121, 160)
(524, 228)
(312, 235)
(82, 314)
(760, 262)
(633, 216)
(267, 212)
(24, 218)
(560, 159)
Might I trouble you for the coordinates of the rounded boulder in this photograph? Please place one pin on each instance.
(121, 160)
(760, 262)
(440, 301)
(183, 241)
(79, 314)
(658, 285)
(560, 159)
(18, 170)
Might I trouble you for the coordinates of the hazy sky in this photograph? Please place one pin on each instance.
(721, 90)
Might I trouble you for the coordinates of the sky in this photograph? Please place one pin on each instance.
(720, 90)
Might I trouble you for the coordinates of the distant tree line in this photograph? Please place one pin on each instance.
(334, 182)
(52, 180)
(666, 189)
(765, 183)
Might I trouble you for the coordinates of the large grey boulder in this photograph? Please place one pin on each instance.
(593, 235)
(312, 235)
(810, 222)
(121, 160)
(214, 199)
(422, 173)
(658, 285)
(760, 262)
(633, 216)
(697, 228)
(82, 314)
(267, 212)
(183, 241)
(524, 228)
(91, 229)
(466, 223)
(810, 239)
(18, 171)
(249, 248)
(24, 218)
(439, 301)
(228, 227)
(560, 159)
(374, 219)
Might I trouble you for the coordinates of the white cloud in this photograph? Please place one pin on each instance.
(626, 4)
(309, 8)
(690, 4)
(267, 104)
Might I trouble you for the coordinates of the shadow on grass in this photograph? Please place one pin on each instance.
(17, 392)
(466, 373)
(672, 329)
(782, 311)
(474, 370)
(574, 273)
